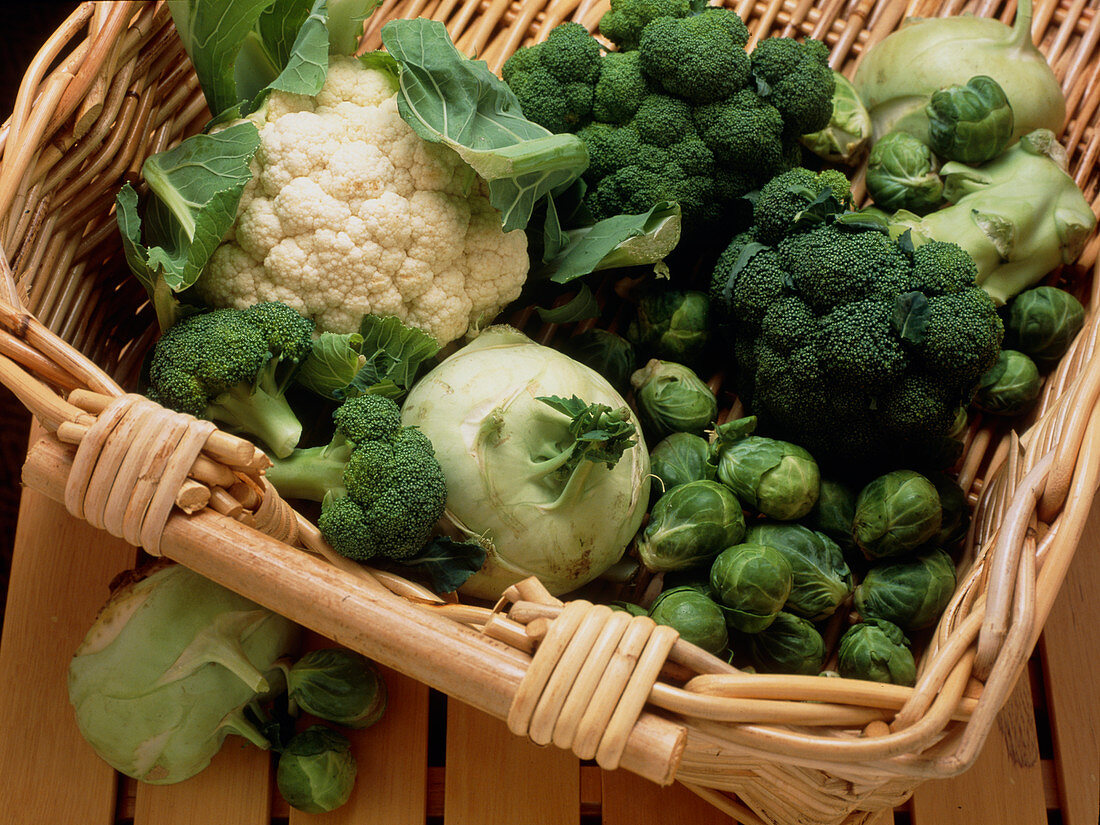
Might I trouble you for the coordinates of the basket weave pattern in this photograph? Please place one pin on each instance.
(113, 86)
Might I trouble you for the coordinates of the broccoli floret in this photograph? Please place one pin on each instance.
(746, 129)
(700, 58)
(792, 201)
(233, 366)
(859, 346)
(796, 79)
(623, 24)
(380, 486)
(964, 334)
(555, 80)
(620, 89)
(940, 267)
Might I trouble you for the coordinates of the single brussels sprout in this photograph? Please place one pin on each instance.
(672, 324)
(629, 607)
(896, 513)
(611, 355)
(690, 525)
(752, 581)
(339, 686)
(846, 137)
(790, 644)
(1042, 323)
(911, 592)
(901, 174)
(680, 458)
(776, 478)
(971, 123)
(877, 651)
(672, 399)
(956, 511)
(820, 578)
(834, 511)
(316, 770)
(694, 615)
(1010, 386)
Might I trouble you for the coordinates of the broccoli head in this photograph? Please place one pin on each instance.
(700, 58)
(858, 347)
(796, 79)
(555, 80)
(233, 366)
(380, 486)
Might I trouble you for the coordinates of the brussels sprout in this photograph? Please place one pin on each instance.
(820, 578)
(1042, 323)
(971, 123)
(316, 770)
(776, 478)
(910, 593)
(790, 644)
(611, 355)
(901, 175)
(680, 458)
(629, 607)
(834, 511)
(671, 398)
(846, 137)
(338, 685)
(752, 581)
(689, 525)
(694, 615)
(956, 511)
(896, 513)
(877, 651)
(1010, 386)
(672, 324)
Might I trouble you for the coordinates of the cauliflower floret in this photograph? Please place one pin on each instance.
(350, 213)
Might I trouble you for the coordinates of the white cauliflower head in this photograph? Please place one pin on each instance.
(349, 212)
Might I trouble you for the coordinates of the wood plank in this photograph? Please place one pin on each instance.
(1068, 648)
(495, 776)
(630, 800)
(1005, 784)
(59, 581)
(391, 784)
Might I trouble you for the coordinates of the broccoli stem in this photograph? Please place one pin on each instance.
(310, 472)
(259, 413)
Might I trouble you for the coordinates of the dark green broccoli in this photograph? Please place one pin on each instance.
(676, 113)
(233, 366)
(380, 486)
(857, 347)
(794, 77)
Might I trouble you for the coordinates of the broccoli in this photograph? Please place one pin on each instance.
(678, 113)
(380, 486)
(233, 366)
(858, 347)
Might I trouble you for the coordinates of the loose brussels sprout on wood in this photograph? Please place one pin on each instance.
(339, 686)
(901, 174)
(1042, 323)
(790, 644)
(316, 771)
(680, 458)
(672, 325)
(776, 478)
(1010, 386)
(820, 578)
(834, 511)
(694, 615)
(896, 513)
(752, 581)
(611, 355)
(971, 123)
(877, 651)
(690, 525)
(910, 593)
(671, 398)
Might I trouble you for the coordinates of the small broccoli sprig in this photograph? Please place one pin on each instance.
(380, 486)
(233, 367)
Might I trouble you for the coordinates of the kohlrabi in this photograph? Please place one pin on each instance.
(544, 461)
(898, 76)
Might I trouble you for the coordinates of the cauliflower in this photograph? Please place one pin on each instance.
(350, 213)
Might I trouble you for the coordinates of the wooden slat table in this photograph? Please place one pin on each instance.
(437, 762)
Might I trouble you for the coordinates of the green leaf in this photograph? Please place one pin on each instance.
(446, 563)
(911, 316)
(306, 65)
(581, 306)
(194, 189)
(864, 220)
(601, 434)
(618, 241)
(746, 255)
(447, 98)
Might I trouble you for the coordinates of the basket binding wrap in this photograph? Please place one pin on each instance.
(791, 748)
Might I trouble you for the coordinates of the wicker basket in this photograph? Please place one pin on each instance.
(113, 86)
